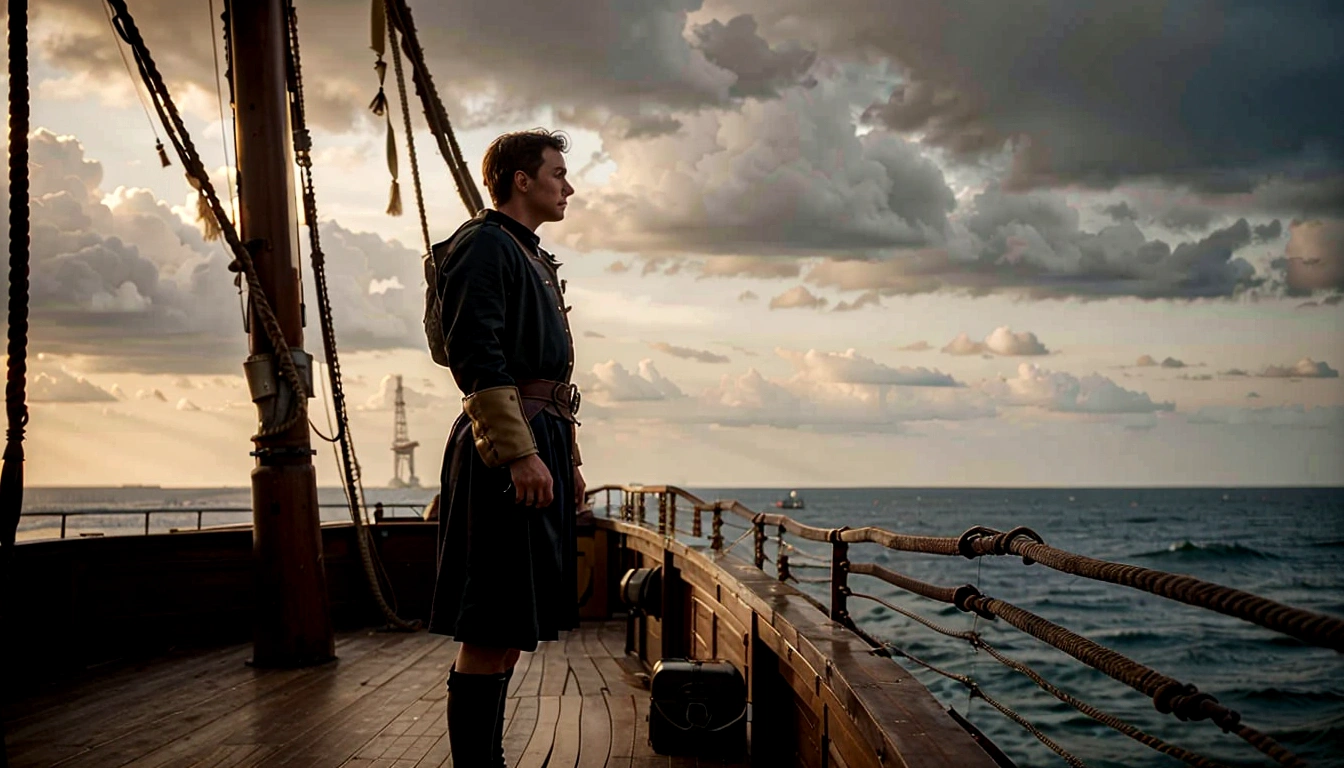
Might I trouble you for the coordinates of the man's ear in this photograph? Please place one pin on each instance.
(521, 179)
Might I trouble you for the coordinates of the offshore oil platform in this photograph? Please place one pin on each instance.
(403, 447)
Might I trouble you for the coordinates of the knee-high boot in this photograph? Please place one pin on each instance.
(500, 760)
(474, 703)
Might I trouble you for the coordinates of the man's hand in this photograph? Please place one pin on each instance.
(579, 488)
(532, 484)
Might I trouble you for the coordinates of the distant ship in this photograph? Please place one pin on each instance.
(794, 501)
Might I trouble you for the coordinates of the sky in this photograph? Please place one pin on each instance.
(851, 242)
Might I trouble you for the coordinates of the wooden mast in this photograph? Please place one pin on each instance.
(292, 624)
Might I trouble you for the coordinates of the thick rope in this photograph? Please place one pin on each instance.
(1100, 716)
(349, 465)
(399, 16)
(410, 138)
(1169, 696)
(16, 367)
(1307, 626)
(200, 180)
(1003, 709)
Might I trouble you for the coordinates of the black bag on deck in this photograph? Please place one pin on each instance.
(698, 708)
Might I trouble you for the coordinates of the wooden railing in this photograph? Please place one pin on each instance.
(1182, 700)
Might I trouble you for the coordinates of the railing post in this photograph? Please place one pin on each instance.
(759, 542)
(671, 515)
(63, 516)
(608, 502)
(146, 523)
(378, 512)
(782, 558)
(662, 514)
(696, 529)
(839, 579)
(716, 542)
(199, 514)
(641, 508)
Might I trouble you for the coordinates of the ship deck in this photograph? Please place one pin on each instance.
(577, 703)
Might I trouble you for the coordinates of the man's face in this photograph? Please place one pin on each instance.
(546, 195)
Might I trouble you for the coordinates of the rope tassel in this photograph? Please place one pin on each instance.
(394, 200)
(205, 214)
(163, 154)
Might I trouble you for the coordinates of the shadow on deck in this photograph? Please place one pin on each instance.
(576, 703)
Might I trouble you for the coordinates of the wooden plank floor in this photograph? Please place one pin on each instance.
(576, 703)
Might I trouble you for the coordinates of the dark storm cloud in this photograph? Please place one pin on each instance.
(629, 58)
(760, 70)
(1215, 94)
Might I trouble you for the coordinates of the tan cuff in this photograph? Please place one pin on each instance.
(499, 425)
(578, 460)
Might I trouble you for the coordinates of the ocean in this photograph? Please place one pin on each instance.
(1286, 544)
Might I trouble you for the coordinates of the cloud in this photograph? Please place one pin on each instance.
(760, 70)
(151, 394)
(593, 335)
(865, 299)
(611, 382)
(635, 60)
(758, 267)
(1002, 341)
(1314, 257)
(1121, 211)
(1062, 392)
(918, 346)
(784, 178)
(1328, 301)
(689, 354)
(49, 383)
(1079, 95)
(1032, 245)
(797, 297)
(121, 280)
(618, 267)
(1147, 361)
(385, 399)
(813, 399)
(850, 367)
(1295, 416)
(1306, 368)
(186, 405)
(747, 296)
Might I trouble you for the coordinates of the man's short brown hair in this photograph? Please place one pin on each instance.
(513, 152)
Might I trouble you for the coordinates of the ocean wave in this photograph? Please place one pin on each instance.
(1213, 550)
(1339, 544)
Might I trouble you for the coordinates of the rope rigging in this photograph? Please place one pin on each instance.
(1169, 696)
(396, 14)
(200, 180)
(978, 643)
(353, 485)
(16, 349)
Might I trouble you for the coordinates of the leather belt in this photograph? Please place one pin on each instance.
(556, 397)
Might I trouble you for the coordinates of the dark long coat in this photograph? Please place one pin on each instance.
(506, 572)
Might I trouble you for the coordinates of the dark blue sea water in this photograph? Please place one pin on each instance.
(1285, 544)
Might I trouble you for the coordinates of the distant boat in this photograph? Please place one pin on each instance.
(794, 501)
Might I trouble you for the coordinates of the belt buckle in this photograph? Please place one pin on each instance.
(567, 395)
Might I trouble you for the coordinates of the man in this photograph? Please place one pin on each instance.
(511, 479)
